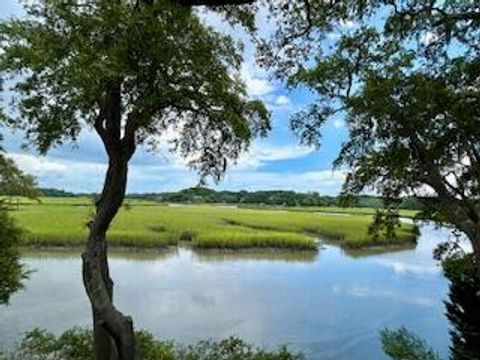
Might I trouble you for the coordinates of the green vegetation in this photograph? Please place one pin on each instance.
(282, 198)
(76, 344)
(403, 345)
(11, 270)
(62, 222)
(410, 105)
(13, 182)
(336, 210)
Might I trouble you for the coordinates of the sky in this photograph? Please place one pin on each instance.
(276, 162)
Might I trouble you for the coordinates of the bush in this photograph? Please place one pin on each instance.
(403, 345)
(11, 270)
(76, 344)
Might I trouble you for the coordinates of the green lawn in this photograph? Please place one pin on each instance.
(62, 221)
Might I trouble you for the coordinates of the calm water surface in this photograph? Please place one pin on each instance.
(330, 305)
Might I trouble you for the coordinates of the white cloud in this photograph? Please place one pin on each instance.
(358, 291)
(37, 164)
(322, 181)
(282, 100)
(257, 156)
(80, 176)
(401, 268)
(256, 82)
(260, 154)
(41, 165)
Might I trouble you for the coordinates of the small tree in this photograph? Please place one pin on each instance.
(11, 270)
(12, 182)
(401, 344)
(130, 70)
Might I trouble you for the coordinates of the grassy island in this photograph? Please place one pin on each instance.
(141, 224)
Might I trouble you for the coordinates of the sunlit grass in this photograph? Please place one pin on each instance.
(62, 222)
(333, 210)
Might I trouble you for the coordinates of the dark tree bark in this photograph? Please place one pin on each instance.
(113, 331)
(474, 237)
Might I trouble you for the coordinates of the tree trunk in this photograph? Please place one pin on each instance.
(113, 331)
(474, 237)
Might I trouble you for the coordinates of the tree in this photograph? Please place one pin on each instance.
(401, 344)
(462, 306)
(131, 70)
(12, 182)
(405, 76)
(12, 272)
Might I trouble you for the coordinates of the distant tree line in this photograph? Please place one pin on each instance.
(269, 197)
(52, 192)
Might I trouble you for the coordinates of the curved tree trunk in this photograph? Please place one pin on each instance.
(113, 331)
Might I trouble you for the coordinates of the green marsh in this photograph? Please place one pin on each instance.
(63, 222)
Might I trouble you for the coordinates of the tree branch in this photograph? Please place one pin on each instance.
(201, 2)
(213, 2)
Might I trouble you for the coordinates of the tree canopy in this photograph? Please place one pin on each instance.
(172, 73)
(405, 77)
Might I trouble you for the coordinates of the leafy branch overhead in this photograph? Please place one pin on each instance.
(405, 77)
(166, 73)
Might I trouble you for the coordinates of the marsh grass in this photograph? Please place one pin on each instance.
(144, 225)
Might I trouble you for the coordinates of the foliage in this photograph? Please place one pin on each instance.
(403, 345)
(233, 349)
(463, 304)
(269, 197)
(13, 181)
(52, 192)
(384, 223)
(11, 270)
(170, 75)
(149, 224)
(137, 72)
(405, 76)
(76, 344)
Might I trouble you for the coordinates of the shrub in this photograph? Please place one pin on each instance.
(403, 345)
(76, 344)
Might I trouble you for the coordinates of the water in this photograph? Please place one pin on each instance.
(330, 305)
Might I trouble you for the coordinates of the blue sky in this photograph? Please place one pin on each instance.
(277, 162)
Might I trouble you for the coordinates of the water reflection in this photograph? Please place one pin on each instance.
(328, 305)
(116, 253)
(377, 250)
(264, 255)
